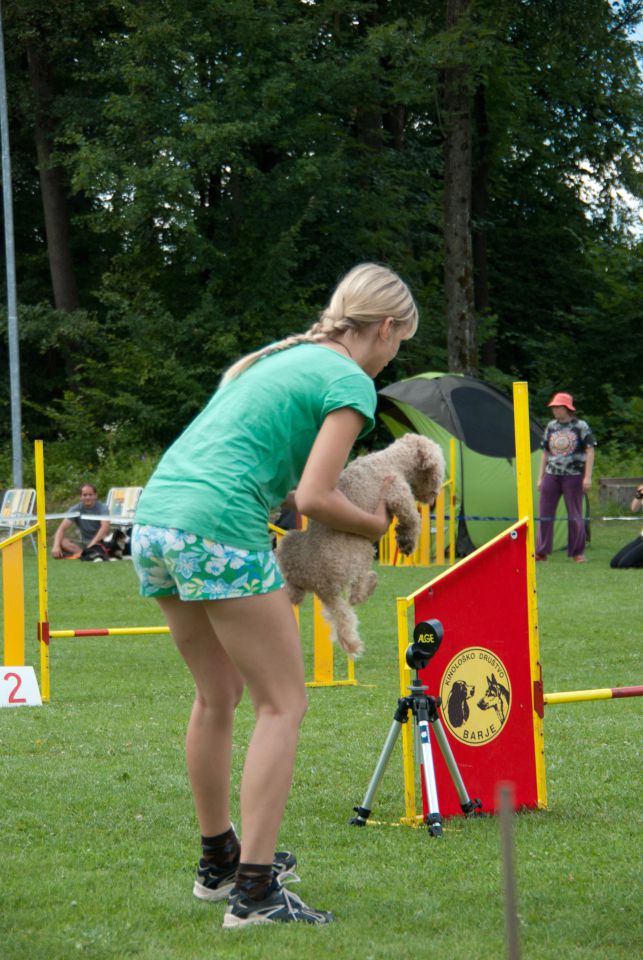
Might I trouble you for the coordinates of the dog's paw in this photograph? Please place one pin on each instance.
(406, 541)
(351, 644)
(362, 590)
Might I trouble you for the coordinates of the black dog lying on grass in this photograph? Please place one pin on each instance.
(112, 549)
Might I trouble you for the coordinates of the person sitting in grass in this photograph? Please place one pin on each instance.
(631, 555)
(91, 531)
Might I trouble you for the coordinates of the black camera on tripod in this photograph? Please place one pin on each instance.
(427, 637)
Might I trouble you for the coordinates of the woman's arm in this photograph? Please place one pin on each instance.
(101, 533)
(56, 547)
(317, 495)
(543, 463)
(589, 466)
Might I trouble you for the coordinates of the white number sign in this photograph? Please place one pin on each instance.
(19, 687)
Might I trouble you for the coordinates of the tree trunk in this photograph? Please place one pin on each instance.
(54, 200)
(394, 121)
(458, 256)
(479, 215)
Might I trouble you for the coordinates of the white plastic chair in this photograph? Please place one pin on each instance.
(17, 511)
(121, 504)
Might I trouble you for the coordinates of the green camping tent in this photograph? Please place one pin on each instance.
(480, 419)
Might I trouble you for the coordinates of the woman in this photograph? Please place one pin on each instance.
(285, 416)
(565, 471)
(631, 555)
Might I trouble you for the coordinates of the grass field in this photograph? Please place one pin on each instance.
(100, 840)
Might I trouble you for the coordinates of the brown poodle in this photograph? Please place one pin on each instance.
(337, 566)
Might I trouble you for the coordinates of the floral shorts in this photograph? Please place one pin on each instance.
(170, 562)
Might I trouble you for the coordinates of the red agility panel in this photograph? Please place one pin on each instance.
(483, 674)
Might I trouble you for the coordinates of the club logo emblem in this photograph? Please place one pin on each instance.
(476, 696)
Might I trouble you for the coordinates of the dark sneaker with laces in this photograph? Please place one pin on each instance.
(215, 883)
(280, 906)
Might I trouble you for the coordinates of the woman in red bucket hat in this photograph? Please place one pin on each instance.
(565, 471)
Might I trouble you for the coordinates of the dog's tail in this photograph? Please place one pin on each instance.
(344, 622)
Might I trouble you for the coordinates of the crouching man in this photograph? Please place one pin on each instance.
(90, 531)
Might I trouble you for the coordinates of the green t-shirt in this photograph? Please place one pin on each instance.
(247, 449)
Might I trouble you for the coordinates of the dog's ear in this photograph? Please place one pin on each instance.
(430, 461)
(425, 453)
(430, 456)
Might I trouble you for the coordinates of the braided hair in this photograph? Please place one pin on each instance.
(366, 295)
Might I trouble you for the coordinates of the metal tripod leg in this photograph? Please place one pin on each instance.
(364, 811)
(425, 711)
(433, 818)
(467, 805)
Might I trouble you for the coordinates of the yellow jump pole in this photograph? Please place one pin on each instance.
(439, 527)
(323, 653)
(322, 646)
(526, 510)
(111, 632)
(407, 728)
(13, 590)
(384, 550)
(452, 520)
(423, 551)
(43, 593)
(606, 693)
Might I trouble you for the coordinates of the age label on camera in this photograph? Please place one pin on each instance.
(19, 687)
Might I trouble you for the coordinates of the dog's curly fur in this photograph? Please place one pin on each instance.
(337, 566)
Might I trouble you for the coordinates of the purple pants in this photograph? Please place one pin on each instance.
(571, 490)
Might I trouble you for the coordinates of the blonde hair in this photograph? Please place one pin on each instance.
(367, 294)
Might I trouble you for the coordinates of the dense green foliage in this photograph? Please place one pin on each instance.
(222, 164)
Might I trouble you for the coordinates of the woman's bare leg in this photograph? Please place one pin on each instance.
(218, 690)
(260, 636)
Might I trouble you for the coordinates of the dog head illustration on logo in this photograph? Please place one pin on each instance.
(496, 697)
(457, 706)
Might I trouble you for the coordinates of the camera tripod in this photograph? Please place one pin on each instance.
(427, 637)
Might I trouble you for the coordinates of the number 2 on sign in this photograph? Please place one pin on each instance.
(12, 693)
